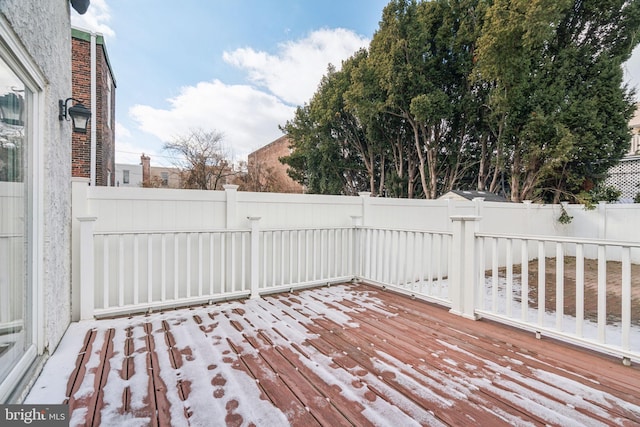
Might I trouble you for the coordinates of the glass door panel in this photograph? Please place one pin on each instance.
(14, 217)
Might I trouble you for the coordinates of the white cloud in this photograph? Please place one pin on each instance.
(248, 118)
(122, 130)
(96, 18)
(127, 151)
(294, 72)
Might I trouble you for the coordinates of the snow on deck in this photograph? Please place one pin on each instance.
(340, 355)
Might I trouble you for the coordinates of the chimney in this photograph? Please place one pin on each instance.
(145, 161)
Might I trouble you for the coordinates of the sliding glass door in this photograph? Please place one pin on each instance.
(16, 292)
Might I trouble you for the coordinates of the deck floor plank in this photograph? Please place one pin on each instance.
(470, 410)
(316, 403)
(274, 388)
(341, 355)
(518, 344)
(80, 369)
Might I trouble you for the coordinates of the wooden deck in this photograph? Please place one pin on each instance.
(332, 356)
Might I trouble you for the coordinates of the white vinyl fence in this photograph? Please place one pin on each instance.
(477, 259)
(548, 285)
(411, 261)
(141, 271)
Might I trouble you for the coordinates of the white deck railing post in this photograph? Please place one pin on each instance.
(255, 255)
(87, 273)
(356, 261)
(463, 275)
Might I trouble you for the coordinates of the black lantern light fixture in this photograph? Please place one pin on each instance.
(80, 6)
(80, 114)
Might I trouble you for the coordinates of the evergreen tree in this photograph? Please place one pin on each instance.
(515, 96)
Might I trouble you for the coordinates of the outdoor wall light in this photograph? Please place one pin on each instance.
(80, 114)
(80, 6)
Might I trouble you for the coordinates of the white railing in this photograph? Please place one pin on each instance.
(128, 272)
(304, 257)
(138, 271)
(413, 262)
(475, 274)
(562, 287)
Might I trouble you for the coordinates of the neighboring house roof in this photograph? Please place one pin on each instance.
(472, 194)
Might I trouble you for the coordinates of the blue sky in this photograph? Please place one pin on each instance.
(239, 67)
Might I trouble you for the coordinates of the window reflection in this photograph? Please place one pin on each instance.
(13, 220)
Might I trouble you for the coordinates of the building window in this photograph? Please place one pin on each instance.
(164, 177)
(125, 176)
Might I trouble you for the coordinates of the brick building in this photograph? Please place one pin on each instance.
(93, 153)
(159, 176)
(267, 173)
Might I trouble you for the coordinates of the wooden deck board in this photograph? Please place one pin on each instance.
(341, 355)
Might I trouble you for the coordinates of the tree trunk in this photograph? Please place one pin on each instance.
(382, 174)
(515, 178)
(416, 139)
(484, 164)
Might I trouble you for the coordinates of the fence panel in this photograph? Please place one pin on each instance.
(562, 292)
(291, 258)
(411, 261)
(139, 271)
(576, 288)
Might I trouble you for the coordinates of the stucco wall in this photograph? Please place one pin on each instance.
(44, 29)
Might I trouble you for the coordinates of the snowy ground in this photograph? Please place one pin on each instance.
(208, 362)
(613, 330)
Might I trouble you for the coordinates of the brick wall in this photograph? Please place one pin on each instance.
(104, 114)
(265, 166)
(81, 89)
